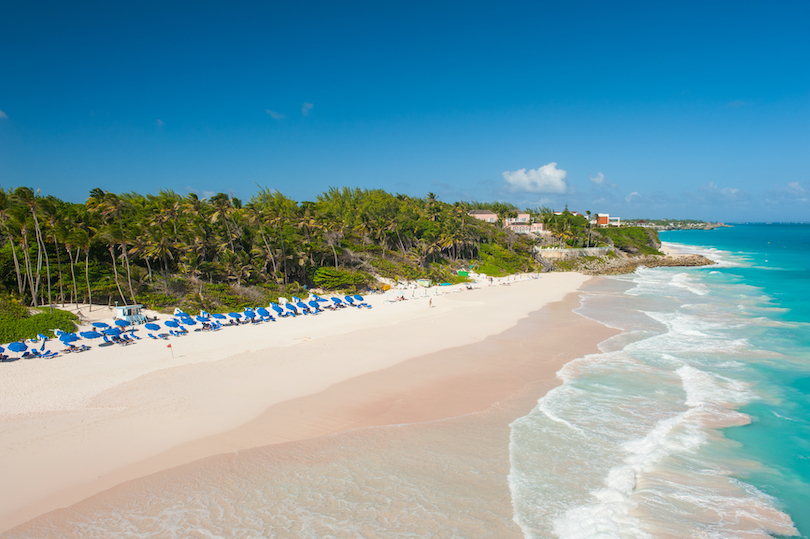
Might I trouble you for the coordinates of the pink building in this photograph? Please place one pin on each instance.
(484, 215)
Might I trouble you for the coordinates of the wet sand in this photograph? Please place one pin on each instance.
(495, 379)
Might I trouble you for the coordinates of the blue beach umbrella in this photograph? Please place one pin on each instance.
(235, 315)
(201, 319)
(18, 347)
(171, 324)
(301, 305)
(112, 332)
(250, 314)
(358, 297)
(262, 311)
(2, 349)
(314, 305)
(90, 335)
(291, 307)
(219, 316)
(153, 327)
(187, 322)
(121, 323)
(277, 308)
(68, 338)
(101, 325)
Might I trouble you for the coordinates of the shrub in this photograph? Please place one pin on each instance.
(17, 324)
(335, 279)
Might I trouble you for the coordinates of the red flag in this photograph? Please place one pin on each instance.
(168, 346)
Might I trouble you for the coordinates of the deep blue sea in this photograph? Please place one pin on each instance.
(694, 421)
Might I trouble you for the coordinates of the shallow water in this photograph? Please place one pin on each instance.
(693, 422)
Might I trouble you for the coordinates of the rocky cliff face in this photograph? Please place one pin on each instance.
(628, 264)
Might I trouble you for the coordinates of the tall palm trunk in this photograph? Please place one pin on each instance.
(59, 262)
(28, 271)
(115, 273)
(87, 277)
(41, 249)
(269, 251)
(75, 297)
(126, 260)
(20, 282)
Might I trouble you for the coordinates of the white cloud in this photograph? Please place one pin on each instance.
(600, 181)
(795, 189)
(3, 115)
(306, 107)
(275, 115)
(726, 193)
(159, 122)
(632, 196)
(546, 179)
(790, 192)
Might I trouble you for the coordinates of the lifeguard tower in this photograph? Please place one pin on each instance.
(130, 313)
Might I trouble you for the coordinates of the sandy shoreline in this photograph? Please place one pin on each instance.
(120, 418)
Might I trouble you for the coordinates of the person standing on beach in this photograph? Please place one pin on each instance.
(430, 302)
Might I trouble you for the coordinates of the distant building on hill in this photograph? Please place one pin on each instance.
(484, 215)
(604, 220)
(527, 228)
(521, 219)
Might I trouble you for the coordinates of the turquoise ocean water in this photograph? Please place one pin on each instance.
(695, 420)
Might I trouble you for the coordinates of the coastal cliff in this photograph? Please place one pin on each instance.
(621, 265)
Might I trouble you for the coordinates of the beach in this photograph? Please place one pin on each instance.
(122, 417)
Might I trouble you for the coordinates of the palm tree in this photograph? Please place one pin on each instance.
(111, 207)
(588, 212)
(222, 210)
(5, 221)
(29, 199)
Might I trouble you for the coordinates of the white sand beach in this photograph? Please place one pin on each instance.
(79, 424)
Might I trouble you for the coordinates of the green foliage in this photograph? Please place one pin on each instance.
(633, 240)
(498, 261)
(17, 324)
(335, 279)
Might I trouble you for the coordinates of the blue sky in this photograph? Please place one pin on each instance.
(640, 109)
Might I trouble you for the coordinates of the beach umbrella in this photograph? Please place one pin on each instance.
(262, 311)
(112, 332)
(219, 316)
(302, 305)
(250, 314)
(291, 307)
(90, 334)
(277, 308)
(235, 315)
(314, 305)
(101, 325)
(121, 323)
(67, 338)
(358, 297)
(171, 324)
(201, 319)
(153, 327)
(187, 321)
(18, 347)
(2, 349)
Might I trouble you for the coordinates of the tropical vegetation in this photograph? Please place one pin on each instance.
(166, 249)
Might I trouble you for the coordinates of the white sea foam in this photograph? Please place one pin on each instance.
(629, 445)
